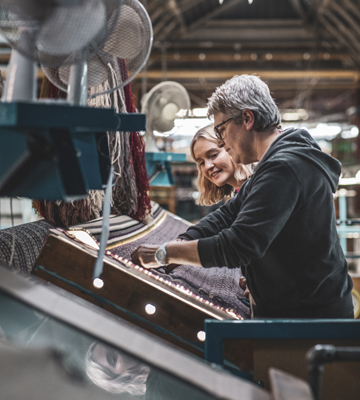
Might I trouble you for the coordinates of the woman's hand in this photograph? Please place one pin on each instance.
(243, 285)
(145, 256)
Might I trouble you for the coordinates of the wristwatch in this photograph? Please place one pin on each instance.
(161, 254)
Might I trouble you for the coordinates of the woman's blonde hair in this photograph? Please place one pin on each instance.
(209, 192)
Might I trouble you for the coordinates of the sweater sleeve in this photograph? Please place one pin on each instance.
(274, 195)
(216, 221)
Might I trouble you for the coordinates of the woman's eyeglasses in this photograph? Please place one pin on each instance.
(216, 128)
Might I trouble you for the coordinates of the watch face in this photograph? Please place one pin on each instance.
(161, 256)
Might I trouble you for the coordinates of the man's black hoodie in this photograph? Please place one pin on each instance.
(281, 228)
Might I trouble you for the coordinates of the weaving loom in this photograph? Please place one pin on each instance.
(179, 300)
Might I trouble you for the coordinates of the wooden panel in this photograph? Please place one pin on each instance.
(356, 282)
(179, 315)
(341, 380)
(164, 195)
(286, 386)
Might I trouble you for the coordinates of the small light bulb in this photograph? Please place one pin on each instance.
(98, 283)
(150, 309)
(250, 1)
(201, 335)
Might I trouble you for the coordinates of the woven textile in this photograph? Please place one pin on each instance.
(21, 245)
(122, 227)
(218, 285)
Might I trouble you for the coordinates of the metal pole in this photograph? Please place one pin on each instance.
(77, 88)
(20, 83)
(324, 353)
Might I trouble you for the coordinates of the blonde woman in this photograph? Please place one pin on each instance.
(219, 177)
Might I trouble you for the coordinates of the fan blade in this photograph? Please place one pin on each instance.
(70, 29)
(162, 103)
(126, 40)
(129, 44)
(97, 72)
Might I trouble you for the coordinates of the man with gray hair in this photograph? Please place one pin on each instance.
(281, 226)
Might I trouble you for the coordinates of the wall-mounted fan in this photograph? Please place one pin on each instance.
(127, 48)
(48, 32)
(161, 106)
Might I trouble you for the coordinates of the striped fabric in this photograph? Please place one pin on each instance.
(122, 227)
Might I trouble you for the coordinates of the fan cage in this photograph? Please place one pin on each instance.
(120, 59)
(47, 32)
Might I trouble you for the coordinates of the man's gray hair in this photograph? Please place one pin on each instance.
(245, 92)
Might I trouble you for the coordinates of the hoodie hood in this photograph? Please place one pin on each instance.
(299, 143)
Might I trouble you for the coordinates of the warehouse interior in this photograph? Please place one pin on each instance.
(101, 100)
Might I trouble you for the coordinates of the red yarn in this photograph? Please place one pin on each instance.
(137, 148)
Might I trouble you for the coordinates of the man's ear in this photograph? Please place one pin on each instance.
(249, 119)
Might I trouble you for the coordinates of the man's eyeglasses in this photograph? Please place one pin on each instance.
(216, 128)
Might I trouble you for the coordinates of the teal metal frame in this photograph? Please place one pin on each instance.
(218, 331)
(159, 168)
(56, 151)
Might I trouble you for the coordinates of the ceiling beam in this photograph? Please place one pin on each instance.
(349, 75)
(214, 13)
(348, 34)
(241, 56)
(334, 31)
(354, 9)
(258, 23)
(298, 6)
(247, 34)
(188, 4)
(285, 88)
(285, 43)
(346, 16)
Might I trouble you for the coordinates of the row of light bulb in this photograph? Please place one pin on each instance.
(249, 1)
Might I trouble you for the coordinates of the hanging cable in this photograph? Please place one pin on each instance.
(98, 267)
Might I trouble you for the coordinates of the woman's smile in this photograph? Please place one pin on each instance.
(214, 162)
(215, 173)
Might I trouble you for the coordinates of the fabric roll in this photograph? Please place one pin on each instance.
(21, 245)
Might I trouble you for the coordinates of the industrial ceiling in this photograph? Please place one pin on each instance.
(308, 51)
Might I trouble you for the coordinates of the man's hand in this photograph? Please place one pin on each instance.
(179, 252)
(145, 256)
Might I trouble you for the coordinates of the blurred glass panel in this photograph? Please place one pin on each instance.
(88, 359)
